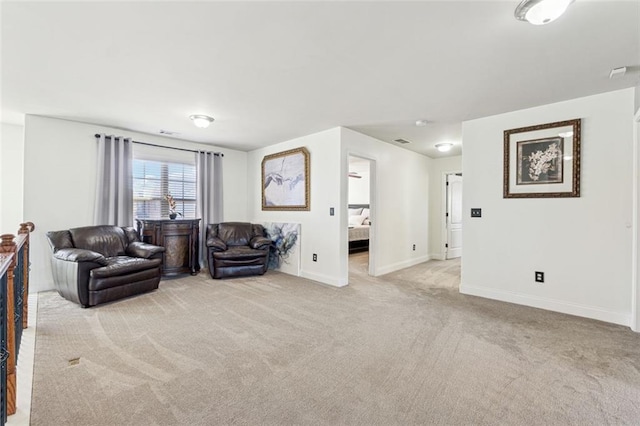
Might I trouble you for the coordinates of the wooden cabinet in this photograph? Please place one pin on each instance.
(180, 238)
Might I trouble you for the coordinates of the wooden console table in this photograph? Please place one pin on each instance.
(180, 238)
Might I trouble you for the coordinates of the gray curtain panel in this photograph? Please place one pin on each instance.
(209, 195)
(114, 184)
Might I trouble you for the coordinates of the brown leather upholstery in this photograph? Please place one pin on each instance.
(237, 249)
(98, 264)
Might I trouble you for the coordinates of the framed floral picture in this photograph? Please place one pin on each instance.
(285, 180)
(542, 161)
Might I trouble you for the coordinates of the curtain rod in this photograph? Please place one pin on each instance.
(97, 135)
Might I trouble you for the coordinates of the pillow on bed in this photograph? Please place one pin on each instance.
(366, 222)
(355, 212)
(356, 220)
(365, 213)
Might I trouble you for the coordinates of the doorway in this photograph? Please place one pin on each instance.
(453, 216)
(360, 215)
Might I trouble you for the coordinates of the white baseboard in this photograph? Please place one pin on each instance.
(437, 256)
(401, 265)
(324, 279)
(585, 311)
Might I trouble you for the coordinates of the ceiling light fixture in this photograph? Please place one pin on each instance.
(444, 147)
(201, 121)
(421, 123)
(540, 12)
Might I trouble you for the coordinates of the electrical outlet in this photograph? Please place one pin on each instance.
(332, 211)
(539, 277)
(476, 212)
(414, 247)
(315, 257)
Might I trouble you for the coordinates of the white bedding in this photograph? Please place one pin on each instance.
(359, 232)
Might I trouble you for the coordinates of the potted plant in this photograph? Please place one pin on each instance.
(172, 206)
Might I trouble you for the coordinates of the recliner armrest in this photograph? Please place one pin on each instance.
(143, 250)
(216, 244)
(79, 255)
(260, 243)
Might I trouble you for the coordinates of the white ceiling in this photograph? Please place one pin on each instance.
(273, 71)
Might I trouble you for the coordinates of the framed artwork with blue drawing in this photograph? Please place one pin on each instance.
(285, 180)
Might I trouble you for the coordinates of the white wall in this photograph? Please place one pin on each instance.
(635, 273)
(319, 232)
(582, 244)
(399, 207)
(437, 202)
(3, 158)
(59, 181)
(11, 177)
(401, 216)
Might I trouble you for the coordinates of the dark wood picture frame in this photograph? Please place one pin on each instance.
(285, 180)
(542, 161)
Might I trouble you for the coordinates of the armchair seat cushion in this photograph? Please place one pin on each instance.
(97, 285)
(238, 256)
(124, 265)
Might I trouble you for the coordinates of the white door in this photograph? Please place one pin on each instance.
(454, 216)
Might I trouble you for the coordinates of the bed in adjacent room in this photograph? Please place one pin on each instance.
(359, 225)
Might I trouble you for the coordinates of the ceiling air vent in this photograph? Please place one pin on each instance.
(402, 141)
(168, 132)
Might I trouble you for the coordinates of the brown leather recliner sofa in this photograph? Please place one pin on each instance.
(236, 249)
(98, 264)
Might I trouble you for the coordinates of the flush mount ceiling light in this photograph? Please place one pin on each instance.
(201, 121)
(421, 123)
(444, 147)
(540, 12)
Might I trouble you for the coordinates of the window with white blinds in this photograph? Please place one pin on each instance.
(157, 172)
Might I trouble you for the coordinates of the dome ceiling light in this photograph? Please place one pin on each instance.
(201, 121)
(541, 12)
(444, 147)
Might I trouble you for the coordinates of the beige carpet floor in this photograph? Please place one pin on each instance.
(402, 349)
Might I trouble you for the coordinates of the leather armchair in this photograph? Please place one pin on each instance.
(237, 249)
(98, 264)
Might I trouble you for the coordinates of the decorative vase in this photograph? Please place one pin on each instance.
(173, 215)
